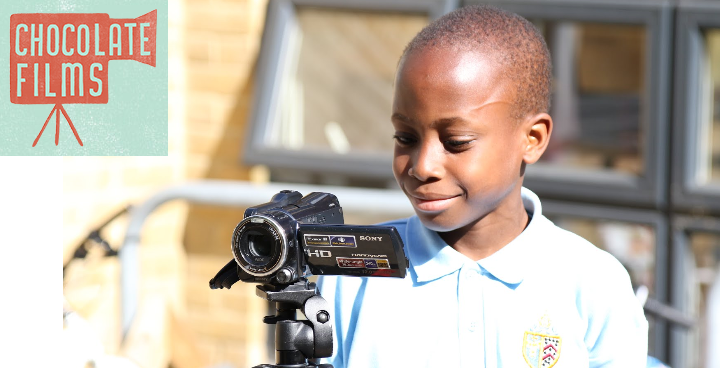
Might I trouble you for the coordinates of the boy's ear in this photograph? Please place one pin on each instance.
(536, 130)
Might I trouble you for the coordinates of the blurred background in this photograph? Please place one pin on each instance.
(296, 94)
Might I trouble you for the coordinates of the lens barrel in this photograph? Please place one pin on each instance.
(259, 245)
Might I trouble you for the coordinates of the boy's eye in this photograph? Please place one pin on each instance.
(403, 140)
(452, 144)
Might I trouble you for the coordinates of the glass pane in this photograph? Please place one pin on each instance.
(598, 95)
(336, 90)
(704, 300)
(710, 110)
(632, 244)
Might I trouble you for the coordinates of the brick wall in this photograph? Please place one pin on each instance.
(222, 40)
(212, 48)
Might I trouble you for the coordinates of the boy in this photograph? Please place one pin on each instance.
(492, 282)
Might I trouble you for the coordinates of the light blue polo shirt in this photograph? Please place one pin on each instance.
(548, 298)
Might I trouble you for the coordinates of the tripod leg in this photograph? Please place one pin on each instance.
(44, 125)
(57, 126)
(71, 124)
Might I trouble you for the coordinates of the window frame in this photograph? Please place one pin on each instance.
(281, 17)
(682, 227)
(687, 194)
(648, 189)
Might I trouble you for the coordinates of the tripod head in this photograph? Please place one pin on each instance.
(297, 341)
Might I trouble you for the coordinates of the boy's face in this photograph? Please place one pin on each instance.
(458, 152)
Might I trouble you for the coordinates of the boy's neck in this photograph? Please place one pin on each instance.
(491, 233)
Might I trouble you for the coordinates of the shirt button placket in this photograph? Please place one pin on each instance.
(472, 326)
(471, 312)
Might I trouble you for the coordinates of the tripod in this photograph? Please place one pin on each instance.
(297, 341)
(57, 109)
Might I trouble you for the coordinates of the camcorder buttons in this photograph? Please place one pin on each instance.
(285, 275)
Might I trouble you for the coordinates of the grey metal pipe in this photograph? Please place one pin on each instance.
(234, 194)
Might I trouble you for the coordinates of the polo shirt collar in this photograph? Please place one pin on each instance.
(432, 258)
(429, 255)
(510, 262)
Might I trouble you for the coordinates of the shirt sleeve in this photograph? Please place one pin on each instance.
(617, 333)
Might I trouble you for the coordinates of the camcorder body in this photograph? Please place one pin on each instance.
(291, 237)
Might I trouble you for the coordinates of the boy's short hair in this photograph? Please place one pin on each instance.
(511, 40)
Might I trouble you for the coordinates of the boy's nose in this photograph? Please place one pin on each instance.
(428, 163)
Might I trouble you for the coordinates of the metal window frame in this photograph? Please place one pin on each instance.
(636, 216)
(682, 227)
(281, 17)
(687, 194)
(647, 190)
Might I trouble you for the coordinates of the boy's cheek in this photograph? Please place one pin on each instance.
(399, 167)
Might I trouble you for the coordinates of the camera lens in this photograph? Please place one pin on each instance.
(260, 244)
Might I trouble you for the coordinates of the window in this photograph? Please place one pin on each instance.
(696, 171)
(697, 277)
(611, 75)
(598, 95)
(336, 92)
(324, 84)
(709, 139)
(704, 299)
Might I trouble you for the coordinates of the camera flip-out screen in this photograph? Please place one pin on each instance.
(353, 250)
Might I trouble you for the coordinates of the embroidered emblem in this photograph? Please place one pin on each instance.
(541, 345)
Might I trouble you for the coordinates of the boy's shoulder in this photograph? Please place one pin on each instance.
(552, 241)
(559, 239)
(569, 252)
(569, 242)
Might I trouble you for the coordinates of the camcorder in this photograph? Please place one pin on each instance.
(292, 236)
(281, 242)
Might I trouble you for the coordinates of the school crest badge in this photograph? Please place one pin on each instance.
(541, 344)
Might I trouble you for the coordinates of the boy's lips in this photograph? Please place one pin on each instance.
(434, 203)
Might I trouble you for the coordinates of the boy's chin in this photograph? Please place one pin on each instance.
(439, 223)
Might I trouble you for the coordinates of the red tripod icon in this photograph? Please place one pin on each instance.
(57, 110)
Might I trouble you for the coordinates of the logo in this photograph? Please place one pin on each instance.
(319, 253)
(317, 240)
(370, 263)
(342, 241)
(67, 62)
(383, 263)
(85, 78)
(541, 344)
(330, 240)
(371, 238)
(350, 262)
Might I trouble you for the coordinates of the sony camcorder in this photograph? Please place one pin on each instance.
(292, 236)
